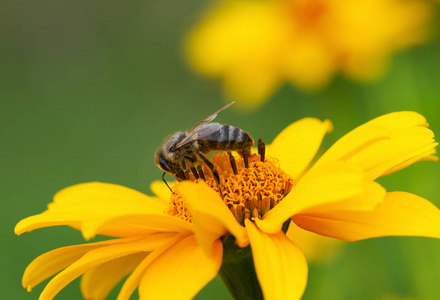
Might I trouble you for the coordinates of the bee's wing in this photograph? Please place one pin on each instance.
(202, 129)
(208, 118)
(199, 133)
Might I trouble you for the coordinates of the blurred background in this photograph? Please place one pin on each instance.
(89, 89)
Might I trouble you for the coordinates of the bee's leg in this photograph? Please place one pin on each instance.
(261, 149)
(199, 169)
(245, 155)
(213, 170)
(194, 171)
(183, 168)
(233, 164)
(180, 175)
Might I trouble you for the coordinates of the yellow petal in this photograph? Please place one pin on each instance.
(99, 256)
(251, 85)
(280, 266)
(56, 260)
(372, 195)
(211, 216)
(240, 42)
(91, 202)
(46, 219)
(297, 144)
(307, 63)
(236, 34)
(428, 155)
(136, 225)
(316, 248)
(89, 228)
(104, 199)
(98, 282)
(384, 144)
(401, 148)
(401, 214)
(181, 272)
(132, 282)
(325, 184)
(159, 188)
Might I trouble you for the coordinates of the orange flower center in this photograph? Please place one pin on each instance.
(309, 14)
(249, 194)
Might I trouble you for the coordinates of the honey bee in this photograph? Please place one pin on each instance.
(185, 151)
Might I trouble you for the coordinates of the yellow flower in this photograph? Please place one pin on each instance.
(149, 244)
(254, 46)
(317, 249)
(196, 233)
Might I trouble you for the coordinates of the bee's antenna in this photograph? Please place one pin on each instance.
(163, 178)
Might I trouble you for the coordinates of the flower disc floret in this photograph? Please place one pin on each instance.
(248, 194)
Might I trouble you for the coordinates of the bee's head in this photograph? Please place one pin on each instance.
(162, 162)
(166, 157)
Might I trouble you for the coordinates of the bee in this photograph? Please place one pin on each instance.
(185, 151)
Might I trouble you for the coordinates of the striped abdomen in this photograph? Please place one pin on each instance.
(227, 138)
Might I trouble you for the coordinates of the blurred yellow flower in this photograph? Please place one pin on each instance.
(183, 236)
(254, 46)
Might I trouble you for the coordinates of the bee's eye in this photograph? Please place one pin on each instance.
(164, 164)
(172, 149)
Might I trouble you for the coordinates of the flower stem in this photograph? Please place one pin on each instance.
(238, 271)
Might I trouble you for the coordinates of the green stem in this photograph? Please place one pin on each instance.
(286, 225)
(238, 271)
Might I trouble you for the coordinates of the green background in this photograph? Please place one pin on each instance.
(89, 89)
